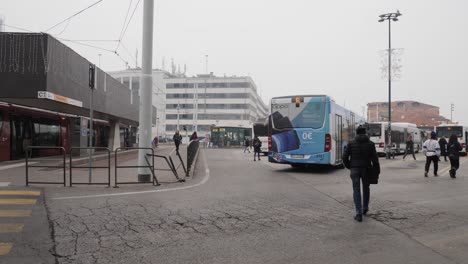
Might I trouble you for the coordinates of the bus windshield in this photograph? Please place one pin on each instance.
(375, 130)
(309, 114)
(448, 131)
(260, 130)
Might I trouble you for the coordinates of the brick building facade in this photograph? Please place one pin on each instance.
(406, 111)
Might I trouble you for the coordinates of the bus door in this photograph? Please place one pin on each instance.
(338, 138)
(4, 137)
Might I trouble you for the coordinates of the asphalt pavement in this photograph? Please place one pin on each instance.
(235, 210)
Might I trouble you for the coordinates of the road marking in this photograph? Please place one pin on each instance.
(6, 167)
(11, 228)
(205, 179)
(15, 213)
(445, 171)
(17, 201)
(4, 184)
(5, 248)
(15, 192)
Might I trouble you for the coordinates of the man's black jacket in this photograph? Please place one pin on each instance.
(361, 153)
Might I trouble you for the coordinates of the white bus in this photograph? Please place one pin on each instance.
(378, 133)
(459, 130)
(260, 129)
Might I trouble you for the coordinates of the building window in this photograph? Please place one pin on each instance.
(126, 82)
(179, 85)
(172, 96)
(181, 116)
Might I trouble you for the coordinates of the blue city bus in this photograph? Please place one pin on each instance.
(309, 129)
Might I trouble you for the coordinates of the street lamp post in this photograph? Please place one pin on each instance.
(390, 17)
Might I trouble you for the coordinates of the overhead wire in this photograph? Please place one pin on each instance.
(74, 15)
(23, 29)
(128, 23)
(126, 16)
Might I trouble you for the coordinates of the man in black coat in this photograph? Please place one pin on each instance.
(359, 156)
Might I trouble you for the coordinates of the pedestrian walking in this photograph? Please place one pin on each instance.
(177, 140)
(443, 147)
(361, 158)
(431, 149)
(453, 149)
(247, 145)
(155, 142)
(257, 144)
(194, 136)
(409, 147)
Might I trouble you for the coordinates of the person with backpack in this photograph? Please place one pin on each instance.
(360, 157)
(257, 144)
(453, 150)
(432, 150)
(177, 140)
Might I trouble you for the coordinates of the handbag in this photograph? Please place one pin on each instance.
(372, 176)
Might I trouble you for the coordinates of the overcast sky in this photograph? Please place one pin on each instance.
(288, 47)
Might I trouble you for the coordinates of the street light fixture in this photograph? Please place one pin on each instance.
(390, 17)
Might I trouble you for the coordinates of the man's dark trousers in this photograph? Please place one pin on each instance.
(358, 175)
(434, 159)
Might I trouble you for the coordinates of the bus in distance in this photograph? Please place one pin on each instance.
(309, 129)
(378, 133)
(260, 129)
(460, 131)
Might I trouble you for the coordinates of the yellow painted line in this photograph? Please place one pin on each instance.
(11, 228)
(15, 213)
(5, 248)
(14, 192)
(445, 171)
(17, 201)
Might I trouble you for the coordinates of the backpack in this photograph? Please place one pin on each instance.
(257, 143)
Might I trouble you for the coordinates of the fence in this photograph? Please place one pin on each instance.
(63, 166)
(108, 167)
(149, 165)
(192, 151)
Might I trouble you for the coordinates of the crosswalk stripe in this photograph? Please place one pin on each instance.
(5, 248)
(15, 192)
(17, 201)
(15, 213)
(11, 228)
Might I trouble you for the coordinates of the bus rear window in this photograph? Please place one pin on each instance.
(260, 130)
(307, 115)
(375, 130)
(448, 131)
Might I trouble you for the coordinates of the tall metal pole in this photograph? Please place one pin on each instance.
(389, 88)
(92, 86)
(146, 94)
(389, 17)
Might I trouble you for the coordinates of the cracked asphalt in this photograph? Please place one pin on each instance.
(257, 212)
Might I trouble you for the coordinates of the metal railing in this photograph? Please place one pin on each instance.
(192, 150)
(169, 163)
(63, 166)
(108, 167)
(150, 166)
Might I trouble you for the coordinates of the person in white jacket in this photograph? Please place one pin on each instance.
(431, 149)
